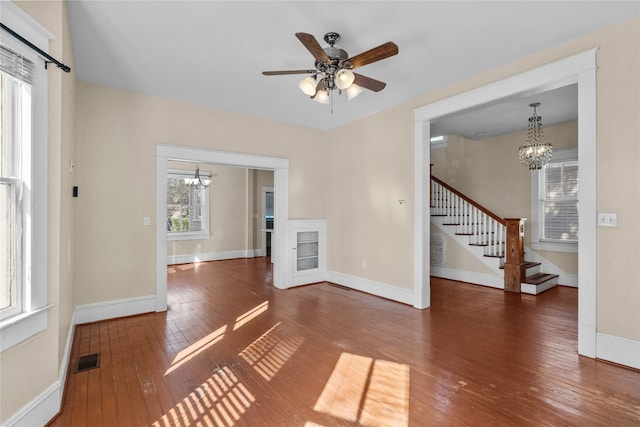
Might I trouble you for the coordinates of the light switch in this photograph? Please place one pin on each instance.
(147, 220)
(607, 219)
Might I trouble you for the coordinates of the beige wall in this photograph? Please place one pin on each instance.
(370, 169)
(32, 366)
(371, 164)
(232, 204)
(117, 127)
(489, 172)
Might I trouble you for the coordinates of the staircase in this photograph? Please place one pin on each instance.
(499, 240)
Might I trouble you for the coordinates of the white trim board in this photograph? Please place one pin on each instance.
(618, 350)
(112, 309)
(213, 256)
(580, 69)
(372, 287)
(470, 277)
(40, 410)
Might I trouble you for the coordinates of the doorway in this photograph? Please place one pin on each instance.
(580, 69)
(280, 168)
(267, 219)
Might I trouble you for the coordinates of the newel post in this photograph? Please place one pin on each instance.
(514, 270)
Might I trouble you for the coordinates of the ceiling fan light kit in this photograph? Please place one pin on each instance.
(334, 69)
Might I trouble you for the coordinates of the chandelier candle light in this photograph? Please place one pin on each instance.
(537, 151)
(197, 182)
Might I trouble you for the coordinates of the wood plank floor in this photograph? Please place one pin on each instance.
(234, 351)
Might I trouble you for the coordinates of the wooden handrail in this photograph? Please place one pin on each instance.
(472, 202)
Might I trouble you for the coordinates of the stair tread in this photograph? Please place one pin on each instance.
(539, 278)
(500, 255)
(527, 264)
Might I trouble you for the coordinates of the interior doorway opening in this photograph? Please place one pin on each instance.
(280, 168)
(580, 69)
(267, 219)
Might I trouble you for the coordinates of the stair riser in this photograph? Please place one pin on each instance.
(538, 289)
(533, 270)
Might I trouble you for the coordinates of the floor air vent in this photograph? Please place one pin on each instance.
(88, 362)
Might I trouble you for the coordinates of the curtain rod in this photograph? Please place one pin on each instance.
(50, 58)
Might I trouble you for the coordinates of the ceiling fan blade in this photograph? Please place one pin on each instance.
(313, 46)
(376, 54)
(369, 83)
(281, 73)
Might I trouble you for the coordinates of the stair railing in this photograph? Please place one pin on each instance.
(483, 227)
(502, 238)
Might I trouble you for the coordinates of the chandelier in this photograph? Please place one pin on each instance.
(197, 182)
(537, 151)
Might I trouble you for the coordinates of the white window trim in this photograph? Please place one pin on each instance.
(560, 155)
(33, 318)
(191, 235)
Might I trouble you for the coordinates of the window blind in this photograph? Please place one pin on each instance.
(559, 202)
(16, 65)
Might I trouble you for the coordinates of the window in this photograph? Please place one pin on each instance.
(555, 208)
(187, 208)
(15, 144)
(23, 190)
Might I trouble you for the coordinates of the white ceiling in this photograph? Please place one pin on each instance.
(213, 52)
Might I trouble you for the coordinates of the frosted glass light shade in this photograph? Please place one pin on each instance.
(322, 97)
(344, 78)
(353, 91)
(308, 86)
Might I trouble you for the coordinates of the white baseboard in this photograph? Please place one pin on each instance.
(112, 309)
(566, 279)
(40, 410)
(44, 407)
(372, 287)
(213, 256)
(618, 350)
(472, 277)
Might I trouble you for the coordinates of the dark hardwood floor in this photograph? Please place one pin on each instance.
(234, 351)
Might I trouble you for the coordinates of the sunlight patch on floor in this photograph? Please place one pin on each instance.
(268, 354)
(367, 391)
(387, 398)
(250, 315)
(220, 401)
(196, 348)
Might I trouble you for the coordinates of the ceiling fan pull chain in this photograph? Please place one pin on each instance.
(331, 100)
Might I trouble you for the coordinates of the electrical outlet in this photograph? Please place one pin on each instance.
(607, 219)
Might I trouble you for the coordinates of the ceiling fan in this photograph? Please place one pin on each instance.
(333, 68)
